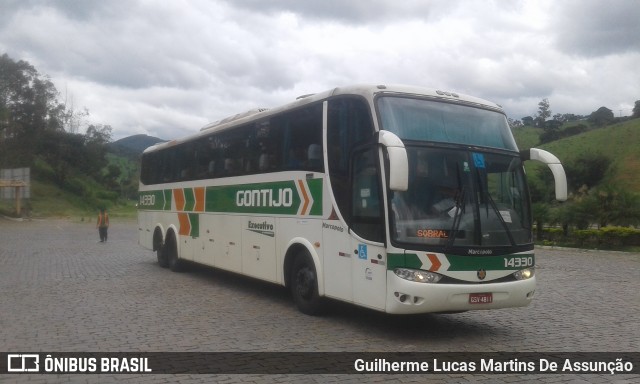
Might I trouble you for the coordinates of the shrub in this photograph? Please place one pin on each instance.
(607, 237)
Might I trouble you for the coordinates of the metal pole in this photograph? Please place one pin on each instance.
(18, 200)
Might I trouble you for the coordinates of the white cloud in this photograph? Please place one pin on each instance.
(167, 68)
(595, 28)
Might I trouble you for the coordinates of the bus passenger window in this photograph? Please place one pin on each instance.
(314, 158)
(263, 160)
(302, 138)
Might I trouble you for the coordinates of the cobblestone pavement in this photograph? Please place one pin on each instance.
(63, 291)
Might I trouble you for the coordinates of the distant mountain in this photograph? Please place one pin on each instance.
(133, 146)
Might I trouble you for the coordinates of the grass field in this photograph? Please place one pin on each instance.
(619, 142)
(47, 200)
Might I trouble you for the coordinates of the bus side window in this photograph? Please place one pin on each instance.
(302, 138)
(186, 161)
(169, 165)
(314, 158)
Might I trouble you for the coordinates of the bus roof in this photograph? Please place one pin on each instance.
(368, 91)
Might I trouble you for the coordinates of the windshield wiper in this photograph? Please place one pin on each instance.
(460, 209)
(485, 192)
(457, 217)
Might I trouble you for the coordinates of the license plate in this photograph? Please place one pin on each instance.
(481, 298)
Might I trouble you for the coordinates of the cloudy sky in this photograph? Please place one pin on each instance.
(166, 68)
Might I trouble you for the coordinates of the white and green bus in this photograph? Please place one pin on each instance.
(400, 199)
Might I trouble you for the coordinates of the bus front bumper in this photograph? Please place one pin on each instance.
(408, 297)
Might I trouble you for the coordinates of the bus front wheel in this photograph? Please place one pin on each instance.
(304, 286)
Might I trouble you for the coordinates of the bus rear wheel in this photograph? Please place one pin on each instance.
(171, 250)
(304, 286)
(162, 256)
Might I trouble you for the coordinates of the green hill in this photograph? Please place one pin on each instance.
(619, 142)
(527, 137)
(80, 196)
(133, 146)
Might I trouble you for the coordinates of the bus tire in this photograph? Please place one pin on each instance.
(158, 246)
(162, 256)
(304, 286)
(171, 250)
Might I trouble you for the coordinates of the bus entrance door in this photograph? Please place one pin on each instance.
(369, 274)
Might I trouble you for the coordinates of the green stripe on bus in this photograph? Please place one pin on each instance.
(402, 260)
(315, 187)
(168, 195)
(290, 197)
(280, 198)
(194, 220)
(189, 199)
(494, 263)
(153, 200)
(459, 263)
(272, 198)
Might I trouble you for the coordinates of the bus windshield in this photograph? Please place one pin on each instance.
(462, 198)
(428, 120)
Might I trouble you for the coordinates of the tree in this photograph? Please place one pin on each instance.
(112, 176)
(72, 120)
(95, 144)
(613, 205)
(541, 216)
(28, 107)
(581, 211)
(38, 131)
(552, 127)
(574, 130)
(527, 121)
(514, 123)
(586, 170)
(542, 195)
(551, 131)
(99, 134)
(636, 109)
(62, 152)
(544, 112)
(601, 117)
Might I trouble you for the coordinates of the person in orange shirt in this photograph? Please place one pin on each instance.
(103, 224)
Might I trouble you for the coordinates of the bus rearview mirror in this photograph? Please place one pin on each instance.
(398, 161)
(554, 165)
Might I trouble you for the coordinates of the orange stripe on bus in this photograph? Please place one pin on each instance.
(185, 225)
(178, 196)
(199, 196)
(305, 196)
(435, 262)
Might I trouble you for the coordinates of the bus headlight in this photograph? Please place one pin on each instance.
(417, 275)
(525, 274)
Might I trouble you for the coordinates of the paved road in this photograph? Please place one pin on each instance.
(62, 290)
